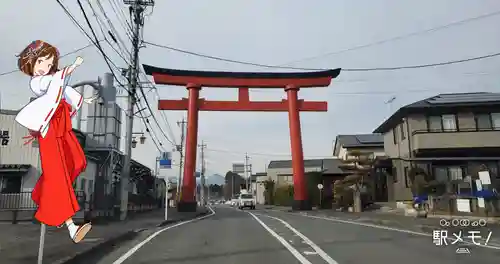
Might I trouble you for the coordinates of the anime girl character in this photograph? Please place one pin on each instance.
(48, 119)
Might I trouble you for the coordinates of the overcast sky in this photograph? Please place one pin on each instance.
(275, 32)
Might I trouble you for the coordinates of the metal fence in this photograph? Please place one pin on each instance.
(16, 207)
(448, 205)
(19, 206)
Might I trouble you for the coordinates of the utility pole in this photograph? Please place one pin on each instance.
(136, 9)
(246, 171)
(202, 176)
(180, 148)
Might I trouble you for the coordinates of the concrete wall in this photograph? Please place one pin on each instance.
(259, 188)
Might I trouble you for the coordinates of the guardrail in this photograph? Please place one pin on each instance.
(15, 207)
(21, 203)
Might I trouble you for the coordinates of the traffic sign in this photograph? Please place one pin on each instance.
(320, 186)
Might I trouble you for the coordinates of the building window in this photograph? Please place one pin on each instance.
(449, 123)
(442, 123)
(407, 178)
(495, 120)
(11, 184)
(402, 129)
(394, 136)
(455, 173)
(434, 123)
(483, 121)
(451, 173)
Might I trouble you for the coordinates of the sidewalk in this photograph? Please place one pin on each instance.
(19, 243)
(394, 220)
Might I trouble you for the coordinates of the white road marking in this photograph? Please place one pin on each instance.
(308, 241)
(142, 243)
(310, 253)
(391, 229)
(287, 245)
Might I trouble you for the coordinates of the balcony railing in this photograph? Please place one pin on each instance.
(461, 138)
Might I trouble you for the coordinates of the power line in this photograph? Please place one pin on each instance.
(322, 69)
(66, 54)
(96, 43)
(413, 34)
(164, 117)
(154, 117)
(100, 25)
(258, 153)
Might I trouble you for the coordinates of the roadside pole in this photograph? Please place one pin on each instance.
(167, 187)
(42, 243)
(320, 188)
(43, 229)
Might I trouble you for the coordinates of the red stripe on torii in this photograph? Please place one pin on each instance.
(291, 82)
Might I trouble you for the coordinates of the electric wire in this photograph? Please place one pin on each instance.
(322, 69)
(64, 55)
(400, 37)
(100, 25)
(95, 42)
(116, 36)
(164, 117)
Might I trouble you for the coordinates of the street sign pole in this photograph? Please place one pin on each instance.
(42, 243)
(167, 187)
(320, 188)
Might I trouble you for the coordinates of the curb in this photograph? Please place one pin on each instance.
(103, 248)
(100, 250)
(198, 214)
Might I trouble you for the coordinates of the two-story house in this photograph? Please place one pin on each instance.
(281, 172)
(373, 146)
(364, 143)
(448, 135)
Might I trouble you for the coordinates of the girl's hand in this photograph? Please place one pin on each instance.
(33, 135)
(78, 61)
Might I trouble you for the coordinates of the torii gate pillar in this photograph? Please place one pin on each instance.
(291, 82)
(299, 182)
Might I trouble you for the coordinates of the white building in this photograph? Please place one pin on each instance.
(20, 166)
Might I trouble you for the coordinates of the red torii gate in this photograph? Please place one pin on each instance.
(195, 80)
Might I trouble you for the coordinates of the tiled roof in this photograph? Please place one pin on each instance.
(441, 102)
(361, 140)
(329, 166)
(282, 164)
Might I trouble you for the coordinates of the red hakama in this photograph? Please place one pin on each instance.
(62, 160)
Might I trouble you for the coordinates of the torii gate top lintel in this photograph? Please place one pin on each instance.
(241, 79)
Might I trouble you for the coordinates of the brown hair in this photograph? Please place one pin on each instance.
(37, 49)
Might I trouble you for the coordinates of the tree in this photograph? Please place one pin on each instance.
(269, 191)
(233, 182)
(418, 180)
(215, 190)
(360, 165)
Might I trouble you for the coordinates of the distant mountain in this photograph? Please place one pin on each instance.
(213, 179)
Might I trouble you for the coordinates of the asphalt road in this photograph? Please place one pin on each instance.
(264, 236)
